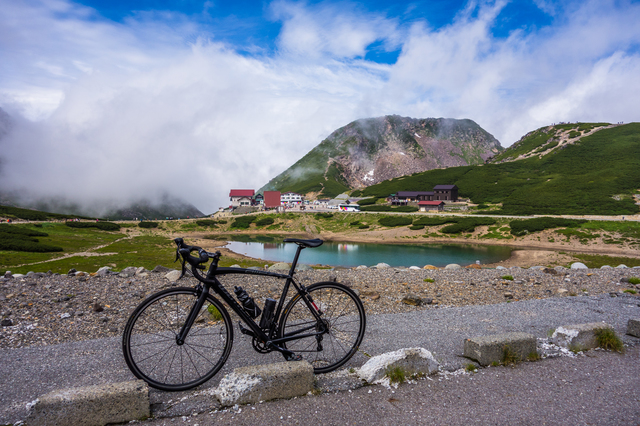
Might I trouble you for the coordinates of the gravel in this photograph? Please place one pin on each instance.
(45, 308)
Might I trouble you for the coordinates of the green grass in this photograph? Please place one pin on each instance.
(509, 356)
(507, 277)
(429, 280)
(634, 280)
(471, 368)
(609, 340)
(396, 374)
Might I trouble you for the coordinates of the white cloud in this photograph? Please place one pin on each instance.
(155, 103)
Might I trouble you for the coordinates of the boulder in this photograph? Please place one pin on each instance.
(622, 266)
(104, 271)
(128, 272)
(578, 265)
(382, 266)
(161, 269)
(430, 267)
(453, 266)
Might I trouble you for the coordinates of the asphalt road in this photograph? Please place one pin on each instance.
(28, 373)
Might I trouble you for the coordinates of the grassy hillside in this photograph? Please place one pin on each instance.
(599, 174)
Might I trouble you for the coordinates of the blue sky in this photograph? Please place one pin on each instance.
(254, 85)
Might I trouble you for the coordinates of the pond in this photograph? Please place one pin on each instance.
(355, 254)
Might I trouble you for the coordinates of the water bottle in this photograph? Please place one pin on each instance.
(248, 304)
(268, 313)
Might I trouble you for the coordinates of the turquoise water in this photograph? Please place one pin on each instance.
(355, 254)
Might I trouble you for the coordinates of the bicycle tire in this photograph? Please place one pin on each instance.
(344, 316)
(149, 340)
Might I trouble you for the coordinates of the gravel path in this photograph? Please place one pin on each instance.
(45, 309)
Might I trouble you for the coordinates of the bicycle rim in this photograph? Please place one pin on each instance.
(343, 318)
(149, 341)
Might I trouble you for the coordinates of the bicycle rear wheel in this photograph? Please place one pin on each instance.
(150, 347)
(342, 319)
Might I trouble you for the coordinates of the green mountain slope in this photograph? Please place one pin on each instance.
(593, 172)
(373, 150)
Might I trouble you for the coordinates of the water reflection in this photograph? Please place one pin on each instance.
(354, 254)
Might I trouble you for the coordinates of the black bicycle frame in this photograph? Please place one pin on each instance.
(211, 282)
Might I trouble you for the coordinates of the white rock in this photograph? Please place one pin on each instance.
(578, 265)
(453, 266)
(414, 267)
(173, 276)
(362, 267)
(622, 266)
(382, 266)
(411, 360)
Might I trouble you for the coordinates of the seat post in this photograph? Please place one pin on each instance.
(295, 259)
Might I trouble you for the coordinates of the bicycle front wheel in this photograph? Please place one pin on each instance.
(150, 346)
(336, 337)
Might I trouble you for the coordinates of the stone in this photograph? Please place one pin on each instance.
(410, 360)
(508, 295)
(140, 270)
(538, 268)
(606, 267)
(489, 349)
(128, 272)
(453, 266)
(413, 268)
(6, 322)
(550, 271)
(382, 265)
(578, 336)
(412, 300)
(562, 291)
(92, 405)
(633, 327)
(622, 266)
(430, 267)
(280, 266)
(578, 265)
(161, 269)
(173, 276)
(97, 307)
(474, 266)
(303, 267)
(8, 275)
(500, 267)
(72, 272)
(362, 267)
(250, 385)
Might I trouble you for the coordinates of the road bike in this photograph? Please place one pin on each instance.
(181, 337)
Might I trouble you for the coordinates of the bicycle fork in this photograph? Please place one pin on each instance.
(193, 314)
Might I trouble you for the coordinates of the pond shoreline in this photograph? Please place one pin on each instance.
(526, 251)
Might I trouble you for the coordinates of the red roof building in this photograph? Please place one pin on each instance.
(431, 205)
(241, 197)
(271, 199)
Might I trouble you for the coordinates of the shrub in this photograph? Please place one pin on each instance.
(393, 221)
(265, 221)
(507, 277)
(26, 245)
(482, 206)
(527, 226)
(416, 227)
(243, 222)
(363, 226)
(434, 221)
(207, 223)
(103, 226)
(634, 280)
(367, 201)
(321, 215)
(467, 224)
(429, 280)
(214, 312)
(377, 208)
(148, 224)
(355, 223)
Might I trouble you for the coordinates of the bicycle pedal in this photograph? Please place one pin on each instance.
(294, 357)
(246, 330)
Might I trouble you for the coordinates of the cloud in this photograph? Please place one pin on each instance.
(115, 111)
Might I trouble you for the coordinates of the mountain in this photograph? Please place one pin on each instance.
(372, 150)
(580, 168)
(167, 206)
